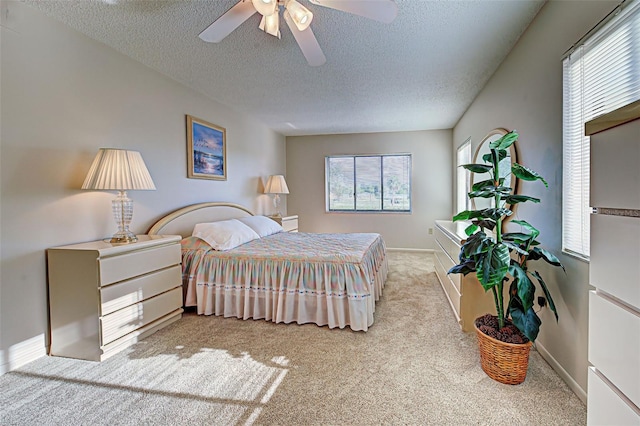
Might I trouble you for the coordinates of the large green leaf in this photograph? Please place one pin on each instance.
(488, 213)
(540, 253)
(463, 268)
(468, 214)
(503, 190)
(502, 154)
(515, 199)
(476, 244)
(527, 321)
(516, 237)
(505, 141)
(482, 184)
(514, 247)
(552, 305)
(471, 229)
(495, 214)
(478, 168)
(490, 224)
(488, 192)
(524, 287)
(526, 174)
(493, 266)
(533, 231)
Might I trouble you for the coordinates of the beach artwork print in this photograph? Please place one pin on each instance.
(206, 150)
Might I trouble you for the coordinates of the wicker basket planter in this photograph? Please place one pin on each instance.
(504, 362)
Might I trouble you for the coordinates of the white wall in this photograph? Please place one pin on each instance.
(526, 94)
(431, 184)
(63, 97)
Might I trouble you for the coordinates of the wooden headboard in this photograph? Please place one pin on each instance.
(182, 221)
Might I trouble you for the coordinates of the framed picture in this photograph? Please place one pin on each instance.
(206, 150)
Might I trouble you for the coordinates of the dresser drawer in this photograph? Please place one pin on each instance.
(126, 320)
(290, 225)
(606, 407)
(614, 167)
(616, 271)
(444, 258)
(614, 344)
(114, 269)
(447, 264)
(442, 264)
(450, 246)
(454, 296)
(125, 293)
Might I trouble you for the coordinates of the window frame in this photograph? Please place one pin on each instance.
(382, 209)
(588, 93)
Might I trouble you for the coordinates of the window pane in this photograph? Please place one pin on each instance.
(340, 183)
(396, 178)
(462, 176)
(368, 191)
(371, 183)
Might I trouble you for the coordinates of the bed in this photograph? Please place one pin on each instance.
(284, 277)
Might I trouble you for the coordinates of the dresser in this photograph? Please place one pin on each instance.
(288, 223)
(614, 269)
(104, 297)
(465, 293)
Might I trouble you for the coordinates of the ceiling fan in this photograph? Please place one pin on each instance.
(298, 19)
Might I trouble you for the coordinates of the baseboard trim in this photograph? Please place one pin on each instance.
(22, 354)
(410, 250)
(573, 385)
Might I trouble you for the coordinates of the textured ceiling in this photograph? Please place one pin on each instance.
(420, 72)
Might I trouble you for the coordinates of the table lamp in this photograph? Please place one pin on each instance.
(119, 170)
(276, 185)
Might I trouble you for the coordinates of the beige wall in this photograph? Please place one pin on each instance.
(63, 97)
(526, 94)
(431, 184)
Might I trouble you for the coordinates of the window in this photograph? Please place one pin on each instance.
(463, 176)
(369, 183)
(601, 74)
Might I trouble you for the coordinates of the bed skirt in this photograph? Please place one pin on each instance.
(337, 292)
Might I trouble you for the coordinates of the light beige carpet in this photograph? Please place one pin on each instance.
(413, 367)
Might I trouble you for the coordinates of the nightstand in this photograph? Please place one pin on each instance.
(288, 223)
(104, 297)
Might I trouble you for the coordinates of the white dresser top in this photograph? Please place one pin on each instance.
(454, 230)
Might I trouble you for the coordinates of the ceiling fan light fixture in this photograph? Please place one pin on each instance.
(300, 15)
(271, 25)
(265, 7)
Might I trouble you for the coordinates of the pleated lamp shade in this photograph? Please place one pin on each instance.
(119, 170)
(276, 185)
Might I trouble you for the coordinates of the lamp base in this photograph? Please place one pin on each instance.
(276, 205)
(122, 207)
(123, 238)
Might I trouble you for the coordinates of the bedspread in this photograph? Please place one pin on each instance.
(326, 279)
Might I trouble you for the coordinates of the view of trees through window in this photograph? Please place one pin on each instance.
(369, 183)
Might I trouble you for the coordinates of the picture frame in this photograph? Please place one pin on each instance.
(206, 150)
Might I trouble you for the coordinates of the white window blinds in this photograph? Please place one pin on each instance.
(600, 75)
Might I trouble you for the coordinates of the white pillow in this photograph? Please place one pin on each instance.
(262, 225)
(225, 234)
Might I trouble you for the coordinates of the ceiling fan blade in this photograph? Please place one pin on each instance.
(378, 10)
(232, 19)
(307, 42)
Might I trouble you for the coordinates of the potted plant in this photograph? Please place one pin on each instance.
(502, 258)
